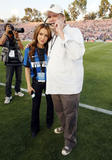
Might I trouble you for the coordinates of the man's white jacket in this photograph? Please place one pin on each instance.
(65, 63)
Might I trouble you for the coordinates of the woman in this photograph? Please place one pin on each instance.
(35, 60)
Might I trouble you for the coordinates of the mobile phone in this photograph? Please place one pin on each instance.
(32, 94)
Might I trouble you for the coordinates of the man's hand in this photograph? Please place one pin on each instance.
(8, 28)
(16, 35)
(59, 26)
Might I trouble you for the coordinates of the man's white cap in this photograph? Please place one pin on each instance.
(55, 9)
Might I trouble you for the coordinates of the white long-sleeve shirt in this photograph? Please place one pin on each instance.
(65, 64)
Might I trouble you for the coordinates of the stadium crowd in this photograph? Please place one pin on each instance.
(92, 30)
(95, 29)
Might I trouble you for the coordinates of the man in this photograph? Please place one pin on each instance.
(12, 56)
(65, 74)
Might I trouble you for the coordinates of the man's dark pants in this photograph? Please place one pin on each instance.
(66, 107)
(9, 75)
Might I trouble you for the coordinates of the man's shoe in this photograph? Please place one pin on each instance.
(20, 94)
(66, 150)
(7, 100)
(58, 130)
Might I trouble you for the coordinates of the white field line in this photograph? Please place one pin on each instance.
(96, 109)
(105, 111)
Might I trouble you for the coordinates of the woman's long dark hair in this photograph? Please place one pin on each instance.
(35, 41)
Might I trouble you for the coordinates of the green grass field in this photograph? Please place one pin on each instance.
(94, 128)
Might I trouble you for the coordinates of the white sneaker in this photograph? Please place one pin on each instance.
(7, 100)
(58, 130)
(20, 94)
(66, 150)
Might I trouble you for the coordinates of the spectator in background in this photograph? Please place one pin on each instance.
(35, 61)
(13, 59)
(65, 74)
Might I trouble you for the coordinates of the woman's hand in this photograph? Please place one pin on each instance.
(30, 89)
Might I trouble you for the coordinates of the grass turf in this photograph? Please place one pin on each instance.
(94, 129)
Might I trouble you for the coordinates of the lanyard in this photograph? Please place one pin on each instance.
(52, 42)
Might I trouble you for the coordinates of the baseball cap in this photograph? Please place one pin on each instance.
(55, 9)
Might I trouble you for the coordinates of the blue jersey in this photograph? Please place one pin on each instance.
(37, 67)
